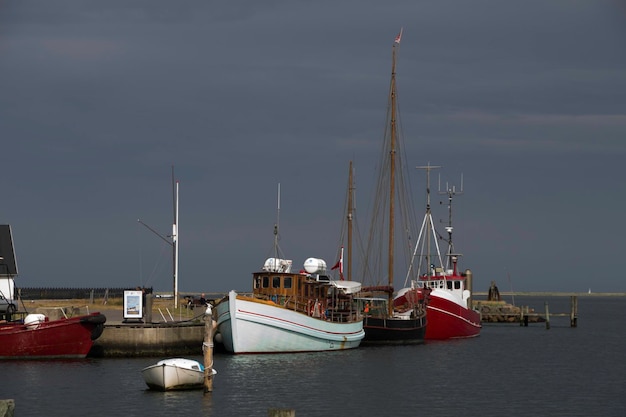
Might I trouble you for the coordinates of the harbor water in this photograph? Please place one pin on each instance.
(508, 371)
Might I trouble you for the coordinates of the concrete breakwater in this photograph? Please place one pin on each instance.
(181, 336)
(162, 339)
(503, 312)
(174, 332)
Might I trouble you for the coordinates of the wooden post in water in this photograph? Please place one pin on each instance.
(207, 348)
(281, 412)
(547, 317)
(526, 313)
(573, 315)
(523, 316)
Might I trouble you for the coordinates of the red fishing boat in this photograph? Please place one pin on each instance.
(449, 309)
(36, 337)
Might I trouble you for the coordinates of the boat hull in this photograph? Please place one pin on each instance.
(394, 330)
(174, 374)
(447, 319)
(56, 339)
(247, 325)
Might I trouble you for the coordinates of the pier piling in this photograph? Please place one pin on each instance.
(207, 348)
(547, 317)
(573, 318)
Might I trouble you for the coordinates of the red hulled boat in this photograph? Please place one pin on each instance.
(448, 312)
(36, 337)
(449, 308)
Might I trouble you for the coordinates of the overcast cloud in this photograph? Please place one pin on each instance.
(98, 100)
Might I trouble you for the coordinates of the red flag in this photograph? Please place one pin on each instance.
(399, 36)
(339, 265)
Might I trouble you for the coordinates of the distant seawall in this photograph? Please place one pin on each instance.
(46, 293)
(40, 293)
(43, 293)
(553, 294)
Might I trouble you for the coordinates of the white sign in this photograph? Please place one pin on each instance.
(133, 304)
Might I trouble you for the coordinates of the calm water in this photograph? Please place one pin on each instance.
(508, 371)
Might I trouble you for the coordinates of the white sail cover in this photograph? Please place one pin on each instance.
(349, 287)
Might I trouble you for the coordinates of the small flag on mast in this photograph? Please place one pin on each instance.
(339, 265)
(399, 37)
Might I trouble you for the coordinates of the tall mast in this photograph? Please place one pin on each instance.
(429, 218)
(392, 169)
(175, 187)
(350, 218)
(276, 227)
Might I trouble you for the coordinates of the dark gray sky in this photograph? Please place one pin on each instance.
(98, 100)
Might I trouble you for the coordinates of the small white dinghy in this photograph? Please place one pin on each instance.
(175, 374)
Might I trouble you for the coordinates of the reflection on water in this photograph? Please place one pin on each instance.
(512, 370)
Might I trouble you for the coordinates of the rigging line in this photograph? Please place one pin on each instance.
(156, 233)
(158, 266)
(139, 247)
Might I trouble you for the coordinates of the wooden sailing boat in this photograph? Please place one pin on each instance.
(383, 323)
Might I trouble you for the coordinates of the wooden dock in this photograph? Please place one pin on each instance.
(502, 312)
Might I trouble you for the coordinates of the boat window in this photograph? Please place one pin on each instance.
(287, 282)
(275, 282)
(457, 285)
(266, 282)
(449, 283)
(257, 282)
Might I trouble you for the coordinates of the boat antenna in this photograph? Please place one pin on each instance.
(451, 191)
(276, 226)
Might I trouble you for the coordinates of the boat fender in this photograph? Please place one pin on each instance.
(94, 318)
(97, 331)
(32, 321)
